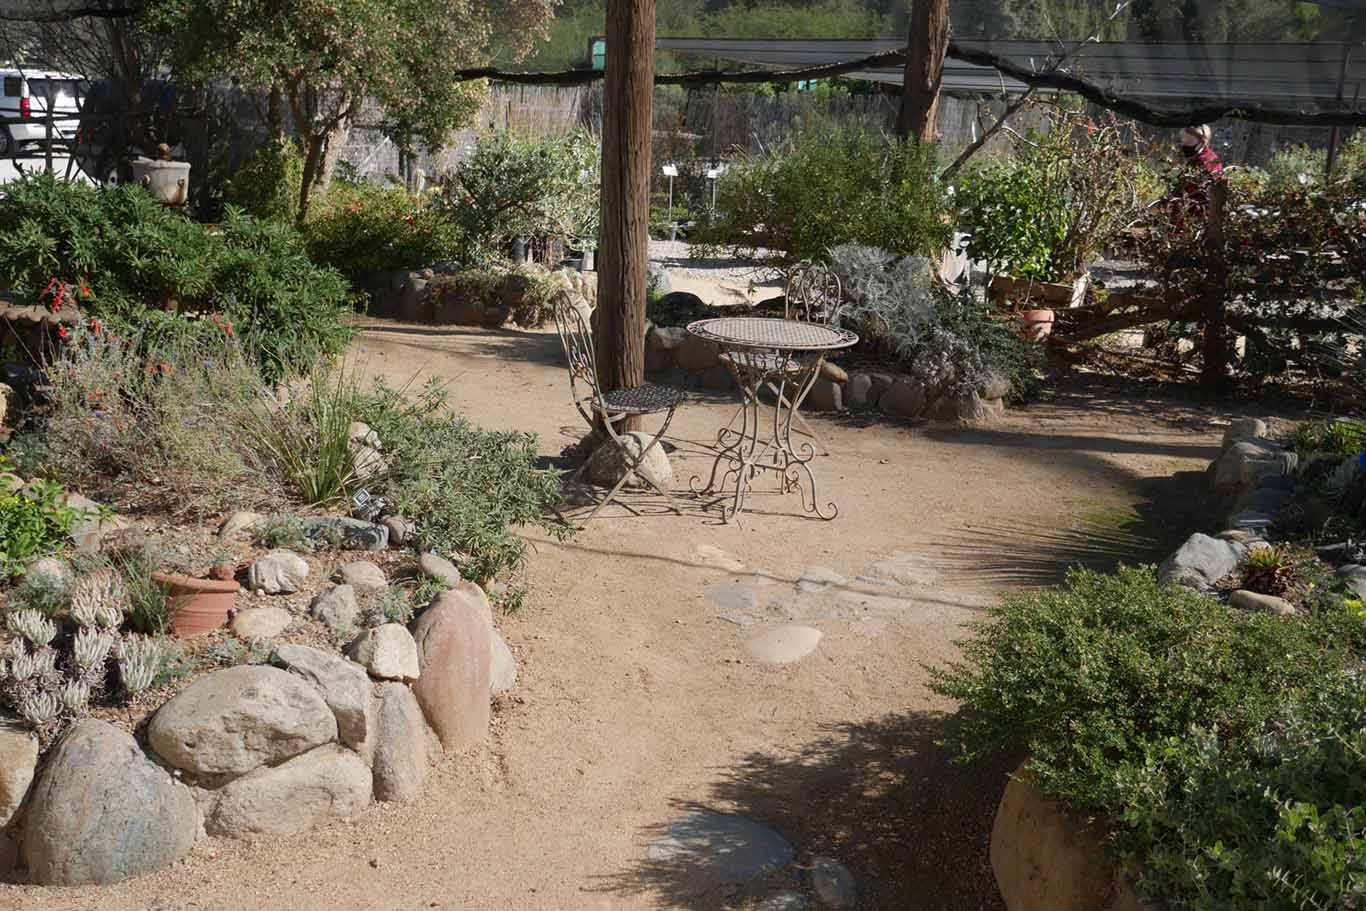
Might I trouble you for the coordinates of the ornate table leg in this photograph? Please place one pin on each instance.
(793, 463)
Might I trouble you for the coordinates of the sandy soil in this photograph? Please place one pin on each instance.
(637, 700)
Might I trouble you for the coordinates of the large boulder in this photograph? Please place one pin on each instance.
(101, 811)
(346, 533)
(238, 719)
(437, 567)
(454, 639)
(323, 784)
(1046, 860)
(825, 395)
(344, 686)
(18, 760)
(865, 389)
(608, 463)
(904, 399)
(1244, 429)
(503, 674)
(1201, 562)
(401, 758)
(1354, 577)
(697, 354)
(366, 578)
(1245, 463)
(336, 606)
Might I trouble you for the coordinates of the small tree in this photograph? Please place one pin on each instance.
(325, 59)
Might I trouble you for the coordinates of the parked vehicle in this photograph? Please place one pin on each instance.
(29, 95)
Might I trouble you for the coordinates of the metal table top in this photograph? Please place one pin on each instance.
(770, 333)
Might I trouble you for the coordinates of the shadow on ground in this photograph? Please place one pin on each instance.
(880, 796)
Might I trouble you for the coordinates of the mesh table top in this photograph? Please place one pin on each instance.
(766, 332)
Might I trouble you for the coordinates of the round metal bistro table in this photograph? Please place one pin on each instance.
(784, 356)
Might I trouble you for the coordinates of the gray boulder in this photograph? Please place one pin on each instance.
(1201, 562)
(607, 463)
(18, 760)
(344, 685)
(400, 530)
(346, 533)
(366, 578)
(102, 812)
(53, 570)
(454, 639)
(904, 399)
(237, 719)
(387, 652)
(336, 606)
(401, 758)
(239, 523)
(833, 884)
(825, 395)
(697, 354)
(864, 390)
(666, 339)
(280, 572)
(321, 785)
(261, 622)
(1245, 463)
(503, 674)
(439, 568)
(1244, 429)
(1355, 577)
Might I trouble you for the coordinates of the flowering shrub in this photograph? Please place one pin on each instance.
(359, 229)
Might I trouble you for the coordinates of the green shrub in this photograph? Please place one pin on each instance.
(32, 523)
(360, 229)
(288, 532)
(466, 489)
(266, 183)
(516, 185)
(125, 259)
(1164, 712)
(1339, 438)
(832, 187)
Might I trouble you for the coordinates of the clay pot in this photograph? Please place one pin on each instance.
(198, 606)
(1036, 325)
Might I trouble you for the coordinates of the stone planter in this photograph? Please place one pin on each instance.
(167, 181)
(198, 606)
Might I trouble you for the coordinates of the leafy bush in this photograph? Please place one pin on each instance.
(467, 489)
(359, 229)
(1161, 709)
(125, 258)
(1340, 438)
(266, 183)
(832, 187)
(521, 186)
(32, 522)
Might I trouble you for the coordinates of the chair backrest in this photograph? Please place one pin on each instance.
(814, 294)
(577, 339)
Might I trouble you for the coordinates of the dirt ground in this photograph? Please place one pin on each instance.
(638, 701)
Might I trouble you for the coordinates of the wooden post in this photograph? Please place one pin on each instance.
(627, 90)
(926, 46)
(1213, 375)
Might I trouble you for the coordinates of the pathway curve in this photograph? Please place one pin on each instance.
(678, 674)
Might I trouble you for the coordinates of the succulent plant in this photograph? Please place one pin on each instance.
(44, 663)
(140, 658)
(74, 695)
(98, 599)
(40, 707)
(1269, 570)
(22, 667)
(33, 626)
(91, 647)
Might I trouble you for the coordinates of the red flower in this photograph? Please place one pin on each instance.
(96, 327)
(61, 332)
(85, 290)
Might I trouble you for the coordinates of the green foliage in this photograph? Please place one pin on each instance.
(266, 183)
(360, 228)
(1012, 220)
(515, 185)
(832, 187)
(127, 259)
(1163, 711)
(32, 523)
(467, 489)
(987, 343)
(283, 531)
(398, 604)
(46, 593)
(148, 608)
(1340, 438)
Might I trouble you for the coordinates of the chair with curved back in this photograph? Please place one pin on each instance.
(612, 407)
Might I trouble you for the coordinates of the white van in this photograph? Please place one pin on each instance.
(28, 96)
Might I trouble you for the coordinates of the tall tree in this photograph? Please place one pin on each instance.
(327, 59)
(926, 46)
(627, 92)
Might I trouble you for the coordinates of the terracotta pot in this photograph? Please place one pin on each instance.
(198, 606)
(1036, 325)
(1022, 291)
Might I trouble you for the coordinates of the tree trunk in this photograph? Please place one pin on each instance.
(333, 146)
(926, 46)
(313, 156)
(628, 84)
(1214, 375)
(275, 114)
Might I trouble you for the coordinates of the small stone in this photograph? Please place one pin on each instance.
(783, 644)
(439, 568)
(1268, 604)
(400, 530)
(261, 622)
(51, 569)
(279, 572)
(327, 783)
(367, 462)
(832, 882)
(239, 718)
(365, 578)
(101, 811)
(401, 759)
(833, 372)
(346, 533)
(454, 639)
(18, 761)
(722, 848)
(734, 597)
(238, 523)
(503, 671)
(903, 399)
(336, 606)
(387, 652)
(89, 530)
(360, 434)
(1244, 429)
(344, 685)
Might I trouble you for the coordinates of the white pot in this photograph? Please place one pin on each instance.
(168, 181)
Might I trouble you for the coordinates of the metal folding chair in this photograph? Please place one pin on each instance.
(612, 407)
(814, 294)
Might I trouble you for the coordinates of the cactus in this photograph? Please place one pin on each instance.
(140, 659)
(33, 626)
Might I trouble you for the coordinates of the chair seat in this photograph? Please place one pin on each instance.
(644, 399)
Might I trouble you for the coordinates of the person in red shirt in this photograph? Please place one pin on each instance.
(1202, 162)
